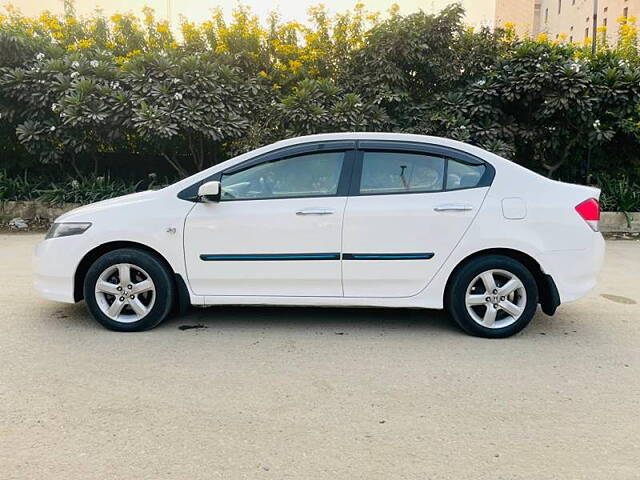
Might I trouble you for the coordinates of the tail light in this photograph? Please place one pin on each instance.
(589, 210)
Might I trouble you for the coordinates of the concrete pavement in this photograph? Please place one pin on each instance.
(298, 393)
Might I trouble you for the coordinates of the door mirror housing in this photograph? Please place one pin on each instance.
(210, 191)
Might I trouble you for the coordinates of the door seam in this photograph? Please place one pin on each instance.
(344, 212)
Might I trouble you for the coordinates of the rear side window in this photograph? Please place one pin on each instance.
(401, 172)
(463, 175)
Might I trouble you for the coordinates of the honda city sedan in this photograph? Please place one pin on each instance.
(345, 219)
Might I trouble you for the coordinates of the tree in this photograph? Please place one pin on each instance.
(188, 104)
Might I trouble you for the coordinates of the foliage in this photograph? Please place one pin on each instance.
(85, 190)
(76, 90)
(18, 187)
(68, 190)
(619, 194)
(187, 103)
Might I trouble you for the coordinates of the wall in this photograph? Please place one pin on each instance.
(576, 16)
(518, 12)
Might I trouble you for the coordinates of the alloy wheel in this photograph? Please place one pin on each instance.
(496, 298)
(125, 293)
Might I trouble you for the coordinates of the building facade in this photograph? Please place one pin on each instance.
(572, 20)
(498, 13)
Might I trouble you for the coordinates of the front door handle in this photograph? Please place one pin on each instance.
(315, 211)
(453, 207)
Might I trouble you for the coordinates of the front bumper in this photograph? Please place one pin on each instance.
(54, 266)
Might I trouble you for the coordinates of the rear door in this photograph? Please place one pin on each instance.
(410, 205)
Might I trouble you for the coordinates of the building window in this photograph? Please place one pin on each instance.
(559, 6)
(573, 2)
(604, 22)
(587, 20)
(606, 9)
(546, 15)
(625, 12)
(571, 38)
(586, 32)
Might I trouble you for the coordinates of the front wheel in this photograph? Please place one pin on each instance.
(129, 290)
(493, 296)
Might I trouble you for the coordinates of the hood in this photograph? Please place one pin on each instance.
(82, 213)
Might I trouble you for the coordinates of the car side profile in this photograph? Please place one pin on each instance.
(345, 219)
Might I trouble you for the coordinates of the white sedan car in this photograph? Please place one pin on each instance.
(349, 219)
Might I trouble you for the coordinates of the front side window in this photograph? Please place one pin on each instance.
(309, 175)
(395, 172)
(463, 175)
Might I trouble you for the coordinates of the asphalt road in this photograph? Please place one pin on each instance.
(299, 393)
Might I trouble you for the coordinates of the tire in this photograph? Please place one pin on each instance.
(500, 311)
(141, 302)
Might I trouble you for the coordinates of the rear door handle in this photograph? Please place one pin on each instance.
(453, 207)
(315, 211)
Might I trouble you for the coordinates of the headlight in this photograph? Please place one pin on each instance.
(67, 229)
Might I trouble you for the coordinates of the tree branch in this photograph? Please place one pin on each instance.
(181, 171)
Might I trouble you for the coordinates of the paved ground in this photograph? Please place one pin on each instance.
(319, 394)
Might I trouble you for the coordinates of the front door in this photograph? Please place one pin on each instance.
(276, 230)
(408, 211)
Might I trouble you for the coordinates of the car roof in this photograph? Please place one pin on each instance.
(392, 136)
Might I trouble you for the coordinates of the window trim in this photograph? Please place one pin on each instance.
(346, 146)
(409, 147)
(349, 183)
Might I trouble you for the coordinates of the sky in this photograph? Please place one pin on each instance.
(200, 10)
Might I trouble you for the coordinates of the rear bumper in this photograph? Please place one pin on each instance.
(575, 272)
(54, 266)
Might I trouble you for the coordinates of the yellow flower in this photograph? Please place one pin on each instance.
(133, 53)
(86, 43)
(542, 37)
(295, 65)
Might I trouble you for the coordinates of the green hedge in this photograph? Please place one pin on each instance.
(77, 91)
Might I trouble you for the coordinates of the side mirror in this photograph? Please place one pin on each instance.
(210, 191)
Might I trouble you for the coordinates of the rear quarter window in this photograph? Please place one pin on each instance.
(461, 174)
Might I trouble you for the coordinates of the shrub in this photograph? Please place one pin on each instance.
(76, 90)
(18, 187)
(86, 190)
(619, 194)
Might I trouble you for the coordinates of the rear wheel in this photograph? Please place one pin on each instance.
(129, 290)
(493, 296)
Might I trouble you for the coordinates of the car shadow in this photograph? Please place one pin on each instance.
(337, 319)
(329, 320)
